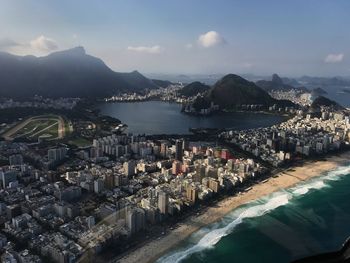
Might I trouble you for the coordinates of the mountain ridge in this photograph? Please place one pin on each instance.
(322, 101)
(193, 89)
(67, 73)
(233, 91)
(279, 84)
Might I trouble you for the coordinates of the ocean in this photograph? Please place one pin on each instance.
(310, 218)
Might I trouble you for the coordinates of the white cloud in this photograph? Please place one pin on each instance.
(39, 46)
(43, 43)
(150, 50)
(211, 39)
(334, 58)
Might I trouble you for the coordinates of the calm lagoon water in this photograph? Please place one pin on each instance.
(156, 117)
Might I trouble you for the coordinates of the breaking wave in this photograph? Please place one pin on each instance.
(211, 236)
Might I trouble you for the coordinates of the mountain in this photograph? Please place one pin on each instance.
(278, 84)
(136, 81)
(201, 102)
(193, 89)
(233, 90)
(318, 91)
(68, 73)
(162, 83)
(291, 82)
(321, 101)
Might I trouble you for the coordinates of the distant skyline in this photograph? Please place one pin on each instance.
(291, 38)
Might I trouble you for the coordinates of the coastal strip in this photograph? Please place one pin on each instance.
(153, 250)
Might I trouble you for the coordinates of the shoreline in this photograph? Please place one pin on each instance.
(220, 111)
(155, 249)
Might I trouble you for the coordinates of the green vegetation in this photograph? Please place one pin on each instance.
(323, 101)
(48, 127)
(80, 142)
(67, 73)
(51, 132)
(68, 127)
(201, 103)
(233, 90)
(193, 89)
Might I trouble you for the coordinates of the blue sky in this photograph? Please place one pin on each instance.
(292, 38)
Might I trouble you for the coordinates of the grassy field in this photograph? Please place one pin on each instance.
(80, 142)
(49, 127)
(50, 133)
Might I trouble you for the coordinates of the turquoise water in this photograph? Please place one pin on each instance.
(312, 217)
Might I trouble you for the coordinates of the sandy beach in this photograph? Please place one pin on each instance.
(154, 249)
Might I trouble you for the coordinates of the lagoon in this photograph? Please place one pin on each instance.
(157, 117)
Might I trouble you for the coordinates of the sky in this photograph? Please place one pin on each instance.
(292, 38)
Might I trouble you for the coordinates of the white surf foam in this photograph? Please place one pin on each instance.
(255, 209)
(214, 236)
(337, 173)
(320, 182)
(303, 189)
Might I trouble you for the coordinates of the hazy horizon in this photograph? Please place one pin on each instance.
(187, 37)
